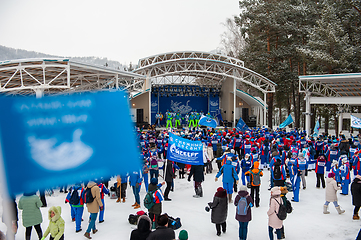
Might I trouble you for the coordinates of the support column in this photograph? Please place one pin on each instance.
(308, 113)
(340, 121)
(39, 92)
(264, 108)
(234, 102)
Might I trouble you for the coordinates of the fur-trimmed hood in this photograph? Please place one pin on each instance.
(57, 211)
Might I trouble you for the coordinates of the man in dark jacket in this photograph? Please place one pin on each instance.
(198, 177)
(168, 177)
(356, 196)
(162, 232)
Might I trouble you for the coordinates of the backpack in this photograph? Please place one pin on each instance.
(88, 196)
(242, 206)
(74, 198)
(149, 199)
(277, 172)
(256, 178)
(288, 205)
(133, 219)
(282, 211)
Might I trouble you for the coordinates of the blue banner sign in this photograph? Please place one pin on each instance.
(184, 150)
(55, 141)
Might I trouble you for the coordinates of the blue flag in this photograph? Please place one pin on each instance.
(316, 129)
(287, 122)
(241, 125)
(184, 150)
(62, 140)
(207, 121)
(355, 122)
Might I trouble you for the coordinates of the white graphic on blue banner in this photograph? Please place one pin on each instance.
(178, 106)
(214, 104)
(355, 122)
(64, 156)
(185, 151)
(59, 140)
(207, 121)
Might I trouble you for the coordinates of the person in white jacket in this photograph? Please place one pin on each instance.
(331, 194)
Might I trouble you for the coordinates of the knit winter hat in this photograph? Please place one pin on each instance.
(183, 235)
(256, 164)
(331, 175)
(242, 188)
(154, 181)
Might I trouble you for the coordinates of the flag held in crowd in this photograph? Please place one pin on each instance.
(207, 121)
(287, 122)
(355, 122)
(241, 125)
(54, 141)
(316, 130)
(184, 150)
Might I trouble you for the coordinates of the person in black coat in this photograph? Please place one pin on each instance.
(168, 177)
(163, 232)
(219, 208)
(198, 177)
(356, 196)
(143, 230)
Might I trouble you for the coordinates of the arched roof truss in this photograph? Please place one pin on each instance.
(200, 68)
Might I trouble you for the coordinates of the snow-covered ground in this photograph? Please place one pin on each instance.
(306, 221)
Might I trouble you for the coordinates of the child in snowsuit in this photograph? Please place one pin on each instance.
(56, 224)
(219, 208)
(331, 194)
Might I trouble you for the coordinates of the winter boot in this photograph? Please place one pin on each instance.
(230, 198)
(118, 200)
(325, 209)
(87, 235)
(355, 217)
(137, 206)
(339, 210)
(200, 191)
(123, 199)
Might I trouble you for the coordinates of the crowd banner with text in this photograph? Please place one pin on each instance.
(185, 151)
(61, 140)
(287, 122)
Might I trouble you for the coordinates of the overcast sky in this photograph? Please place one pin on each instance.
(117, 29)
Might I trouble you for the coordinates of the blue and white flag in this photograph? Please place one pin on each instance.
(241, 125)
(287, 122)
(207, 121)
(184, 150)
(316, 130)
(61, 140)
(355, 122)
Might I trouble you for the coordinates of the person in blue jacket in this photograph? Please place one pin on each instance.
(303, 165)
(294, 176)
(246, 166)
(135, 180)
(229, 175)
(77, 209)
(345, 176)
(103, 191)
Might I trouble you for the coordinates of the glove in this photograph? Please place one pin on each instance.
(101, 208)
(237, 182)
(216, 179)
(66, 202)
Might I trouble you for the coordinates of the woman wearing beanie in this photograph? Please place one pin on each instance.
(243, 217)
(273, 221)
(331, 194)
(219, 208)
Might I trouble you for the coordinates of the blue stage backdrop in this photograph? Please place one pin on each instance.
(185, 104)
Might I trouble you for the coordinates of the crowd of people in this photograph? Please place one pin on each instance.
(241, 158)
